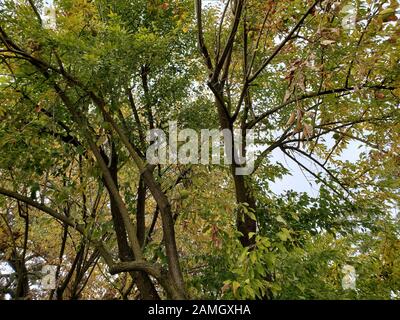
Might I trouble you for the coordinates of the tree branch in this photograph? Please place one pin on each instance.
(284, 41)
(313, 95)
(200, 37)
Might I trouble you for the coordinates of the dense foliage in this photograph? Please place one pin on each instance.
(80, 88)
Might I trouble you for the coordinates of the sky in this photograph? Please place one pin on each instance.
(301, 181)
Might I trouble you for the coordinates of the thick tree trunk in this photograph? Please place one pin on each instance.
(169, 233)
(22, 288)
(145, 285)
(244, 223)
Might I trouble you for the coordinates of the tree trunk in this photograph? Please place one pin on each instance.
(244, 223)
(243, 195)
(145, 285)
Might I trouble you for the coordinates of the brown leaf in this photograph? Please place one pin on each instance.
(225, 287)
(379, 95)
(291, 120)
(288, 93)
(165, 6)
(308, 131)
(327, 42)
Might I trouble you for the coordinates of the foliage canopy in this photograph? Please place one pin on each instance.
(80, 89)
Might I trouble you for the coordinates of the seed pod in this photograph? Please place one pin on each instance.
(291, 120)
(308, 130)
(300, 114)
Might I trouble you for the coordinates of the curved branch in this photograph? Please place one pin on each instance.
(309, 171)
(321, 165)
(314, 95)
(44, 208)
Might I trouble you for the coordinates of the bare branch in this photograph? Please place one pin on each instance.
(35, 10)
(231, 39)
(220, 29)
(309, 171)
(321, 165)
(200, 37)
(313, 95)
(284, 41)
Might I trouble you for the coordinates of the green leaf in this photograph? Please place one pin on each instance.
(235, 286)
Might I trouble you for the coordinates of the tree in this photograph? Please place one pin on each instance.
(80, 93)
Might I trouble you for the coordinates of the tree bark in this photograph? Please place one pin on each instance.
(143, 281)
(244, 223)
(140, 211)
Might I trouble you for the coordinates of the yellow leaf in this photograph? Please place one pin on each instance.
(235, 286)
(327, 42)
